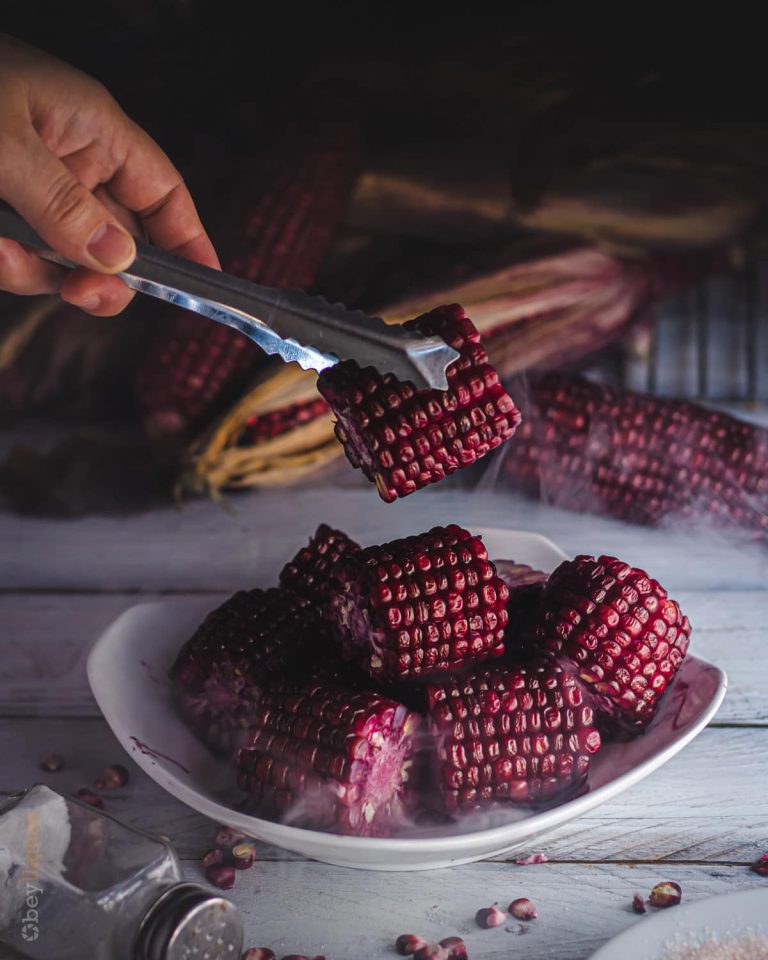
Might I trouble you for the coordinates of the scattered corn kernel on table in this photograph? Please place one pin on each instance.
(699, 821)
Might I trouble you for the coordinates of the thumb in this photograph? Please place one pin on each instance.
(64, 212)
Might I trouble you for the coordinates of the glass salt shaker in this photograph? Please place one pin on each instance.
(76, 883)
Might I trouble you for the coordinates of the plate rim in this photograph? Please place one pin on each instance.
(616, 947)
(545, 820)
(501, 837)
(546, 541)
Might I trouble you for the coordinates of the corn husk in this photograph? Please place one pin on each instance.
(216, 461)
(628, 188)
(544, 310)
(650, 187)
(436, 193)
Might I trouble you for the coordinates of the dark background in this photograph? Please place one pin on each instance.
(210, 79)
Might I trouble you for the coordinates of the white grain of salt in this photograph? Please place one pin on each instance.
(743, 948)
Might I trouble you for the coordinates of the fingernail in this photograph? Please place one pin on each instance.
(112, 247)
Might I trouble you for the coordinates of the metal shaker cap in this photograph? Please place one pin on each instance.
(189, 922)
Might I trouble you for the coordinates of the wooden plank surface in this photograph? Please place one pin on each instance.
(205, 547)
(45, 638)
(349, 915)
(709, 803)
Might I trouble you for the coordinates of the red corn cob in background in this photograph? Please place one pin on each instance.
(267, 426)
(647, 460)
(194, 364)
(419, 605)
(219, 673)
(618, 628)
(310, 570)
(403, 440)
(523, 734)
(328, 756)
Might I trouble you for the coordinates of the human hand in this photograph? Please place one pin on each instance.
(85, 177)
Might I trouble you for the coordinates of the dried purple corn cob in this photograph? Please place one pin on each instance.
(195, 364)
(647, 460)
(309, 572)
(523, 734)
(329, 756)
(419, 605)
(219, 673)
(267, 426)
(619, 629)
(402, 439)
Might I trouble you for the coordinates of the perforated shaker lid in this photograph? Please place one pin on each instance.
(190, 923)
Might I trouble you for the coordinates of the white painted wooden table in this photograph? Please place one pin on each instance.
(699, 821)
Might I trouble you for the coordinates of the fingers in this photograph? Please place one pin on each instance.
(149, 184)
(24, 273)
(127, 217)
(63, 211)
(100, 295)
(97, 293)
(86, 178)
(87, 204)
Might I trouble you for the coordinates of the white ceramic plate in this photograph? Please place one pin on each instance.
(128, 669)
(732, 916)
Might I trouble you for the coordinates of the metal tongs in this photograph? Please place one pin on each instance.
(291, 324)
